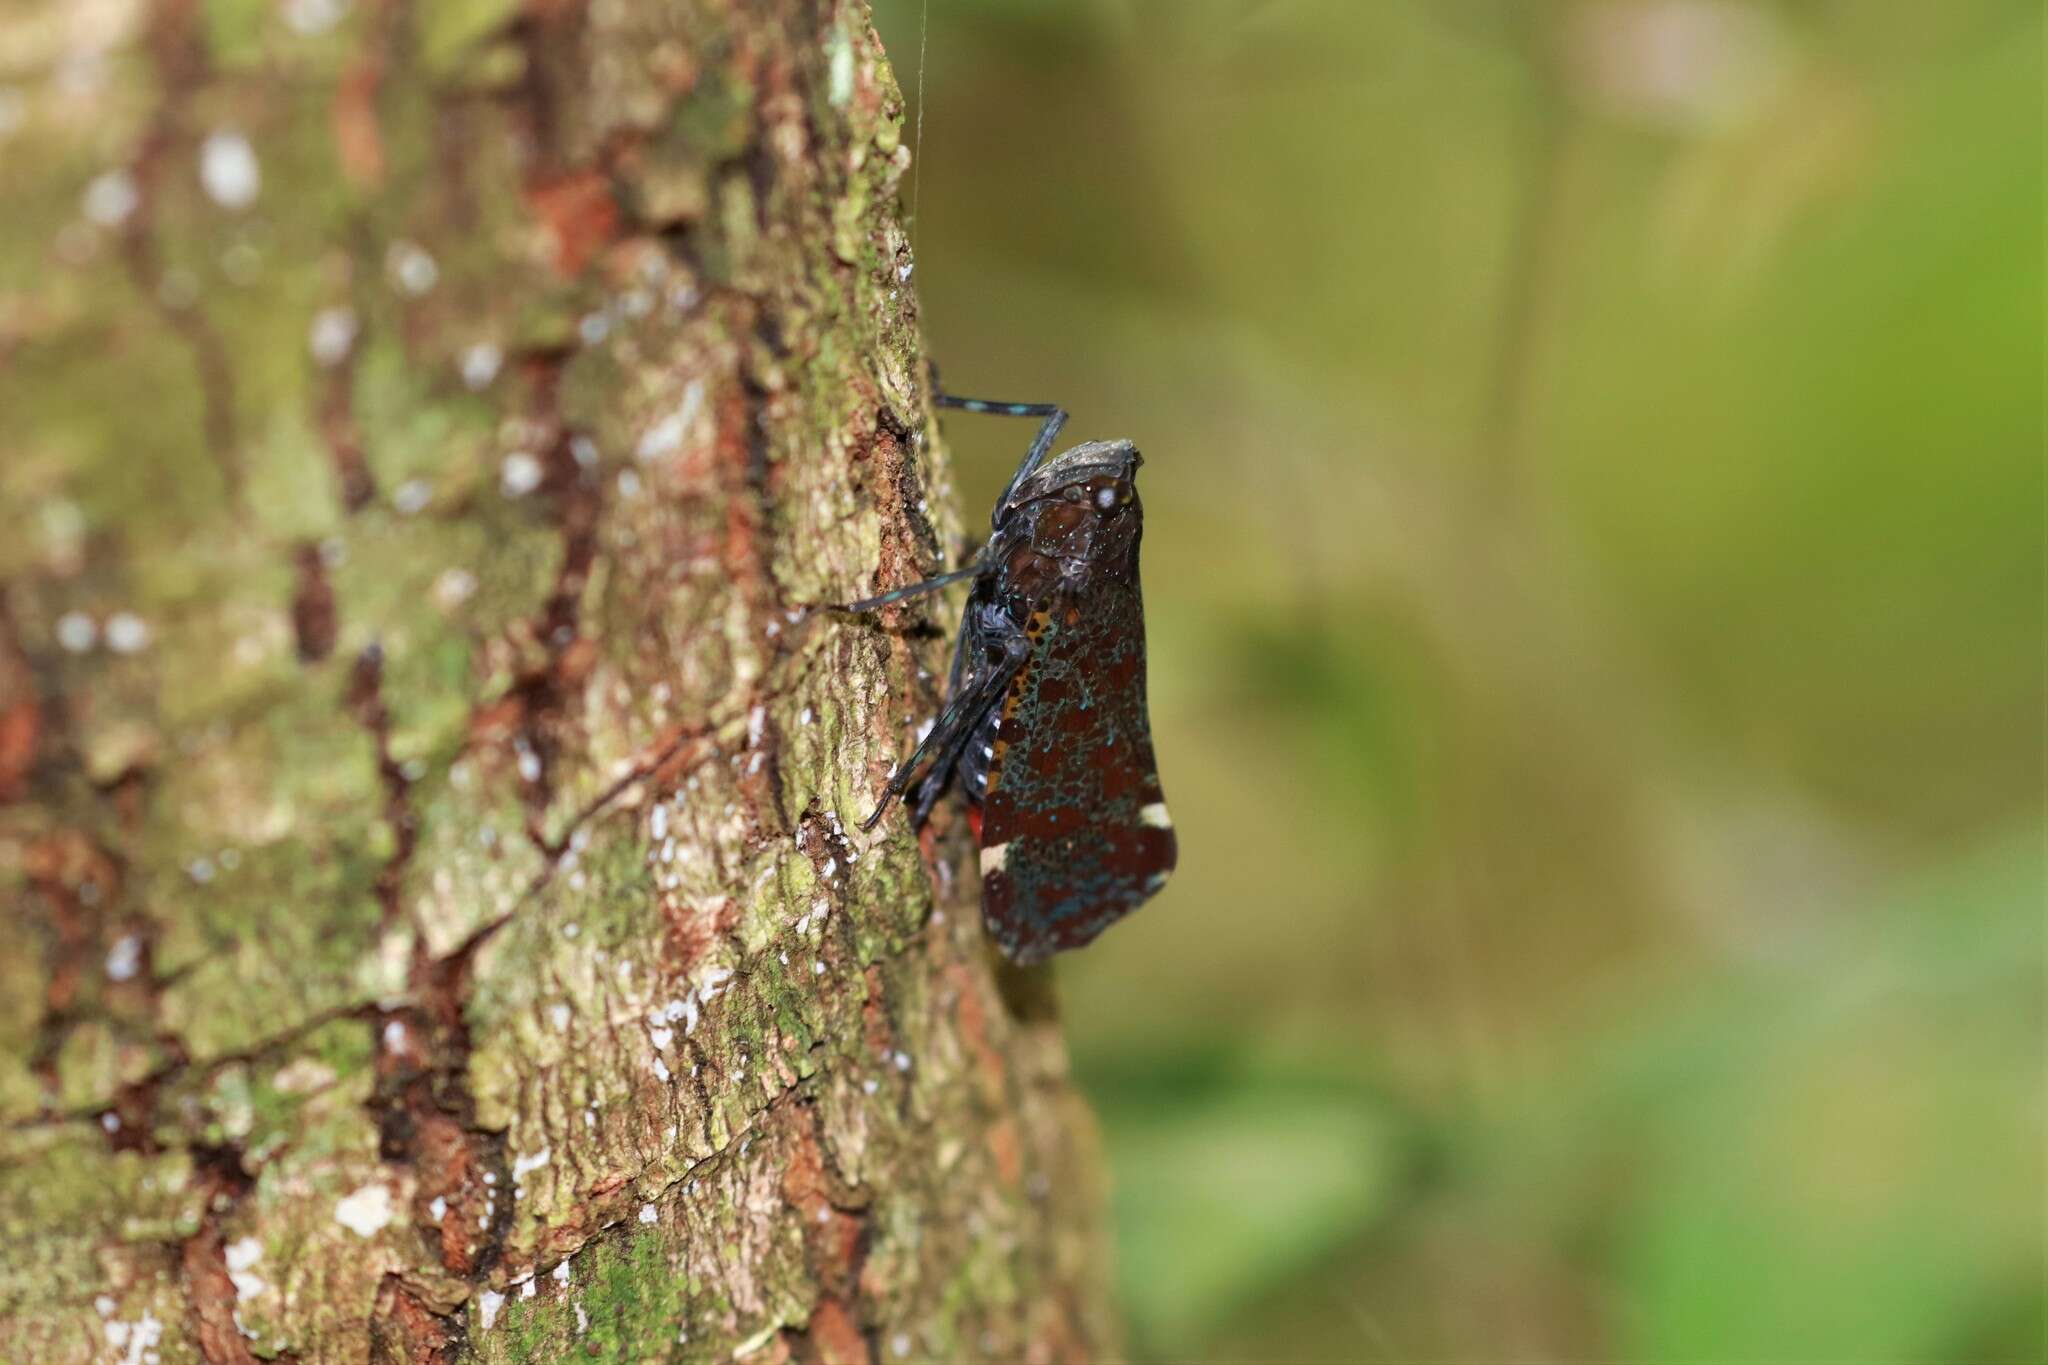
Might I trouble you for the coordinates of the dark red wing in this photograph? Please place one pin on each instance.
(1074, 831)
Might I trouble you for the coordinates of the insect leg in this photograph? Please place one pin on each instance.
(934, 785)
(1005, 648)
(894, 595)
(1055, 417)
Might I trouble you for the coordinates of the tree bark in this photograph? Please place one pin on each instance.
(437, 923)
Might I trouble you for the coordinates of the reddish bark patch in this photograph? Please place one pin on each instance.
(404, 1329)
(877, 1032)
(212, 1297)
(1008, 1152)
(358, 141)
(21, 728)
(315, 621)
(366, 701)
(21, 714)
(62, 866)
(833, 1336)
(971, 1014)
(580, 214)
(210, 1294)
(689, 935)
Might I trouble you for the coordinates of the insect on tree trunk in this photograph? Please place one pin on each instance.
(437, 921)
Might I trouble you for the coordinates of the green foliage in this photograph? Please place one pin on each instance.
(1597, 725)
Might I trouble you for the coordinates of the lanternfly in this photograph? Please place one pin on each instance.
(1044, 724)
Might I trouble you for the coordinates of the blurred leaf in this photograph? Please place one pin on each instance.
(1352, 697)
(1229, 1183)
(1838, 1159)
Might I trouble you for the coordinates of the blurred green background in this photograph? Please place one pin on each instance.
(1595, 580)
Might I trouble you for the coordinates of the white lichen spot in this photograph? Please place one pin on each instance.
(817, 969)
(137, 1341)
(661, 1037)
(900, 1344)
(582, 1318)
(314, 17)
(560, 1274)
(647, 1214)
(77, 632)
(902, 1061)
(110, 198)
(841, 88)
(594, 328)
(526, 1288)
(228, 169)
(520, 474)
(756, 1341)
(454, 587)
(412, 497)
(366, 1212)
(240, 1256)
(487, 1305)
(394, 1035)
(111, 1121)
(870, 1086)
(657, 822)
(411, 268)
(127, 633)
(480, 364)
(439, 1208)
(661, 1070)
(200, 870)
(104, 1305)
(558, 1015)
(125, 959)
(665, 437)
(332, 335)
(806, 716)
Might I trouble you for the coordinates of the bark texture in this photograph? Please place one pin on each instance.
(436, 926)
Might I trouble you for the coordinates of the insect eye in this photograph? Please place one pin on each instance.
(1073, 492)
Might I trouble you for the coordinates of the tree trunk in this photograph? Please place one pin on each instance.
(437, 923)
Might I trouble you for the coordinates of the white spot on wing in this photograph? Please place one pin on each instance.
(993, 859)
(1155, 815)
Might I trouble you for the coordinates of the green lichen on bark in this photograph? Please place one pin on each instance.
(427, 815)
